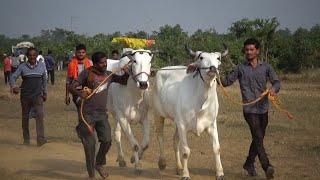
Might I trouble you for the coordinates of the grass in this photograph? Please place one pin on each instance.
(293, 145)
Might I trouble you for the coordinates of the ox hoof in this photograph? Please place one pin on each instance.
(185, 178)
(122, 163)
(179, 171)
(138, 172)
(162, 164)
(220, 177)
(132, 159)
(138, 169)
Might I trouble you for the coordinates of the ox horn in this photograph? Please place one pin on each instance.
(155, 51)
(192, 53)
(225, 51)
(127, 53)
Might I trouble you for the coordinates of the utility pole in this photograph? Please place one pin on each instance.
(72, 18)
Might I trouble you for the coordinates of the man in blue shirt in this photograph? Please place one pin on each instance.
(48, 59)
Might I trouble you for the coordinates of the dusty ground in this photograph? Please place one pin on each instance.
(293, 146)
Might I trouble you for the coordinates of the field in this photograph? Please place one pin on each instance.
(293, 145)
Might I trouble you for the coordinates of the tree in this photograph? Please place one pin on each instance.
(241, 28)
(265, 30)
(262, 29)
(170, 41)
(301, 49)
(138, 34)
(288, 51)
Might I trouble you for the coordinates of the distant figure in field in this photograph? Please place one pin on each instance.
(40, 58)
(49, 61)
(115, 55)
(7, 62)
(15, 63)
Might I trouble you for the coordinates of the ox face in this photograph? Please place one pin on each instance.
(140, 67)
(208, 62)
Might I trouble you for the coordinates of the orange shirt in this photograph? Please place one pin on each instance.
(73, 71)
(7, 64)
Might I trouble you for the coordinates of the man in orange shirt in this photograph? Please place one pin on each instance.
(77, 64)
(7, 68)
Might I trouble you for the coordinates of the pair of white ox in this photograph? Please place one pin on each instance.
(190, 100)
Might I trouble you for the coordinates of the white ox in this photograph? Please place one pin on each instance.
(126, 104)
(191, 101)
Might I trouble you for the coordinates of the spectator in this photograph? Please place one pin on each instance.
(40, 58)
(6, 68)
(15, 63)
(49, 61)
(33, 94)
(115, 55)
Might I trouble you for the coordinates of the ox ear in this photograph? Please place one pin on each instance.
(225, 52)
(191, 53)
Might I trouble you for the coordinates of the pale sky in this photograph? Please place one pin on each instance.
(90, 17)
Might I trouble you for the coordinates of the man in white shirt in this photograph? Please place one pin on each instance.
(40, 58)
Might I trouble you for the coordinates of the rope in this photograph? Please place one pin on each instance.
(273, 99)
(276, 103)
(91, 93)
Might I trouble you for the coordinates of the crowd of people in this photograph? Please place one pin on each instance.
(36, 70)
(53, 62)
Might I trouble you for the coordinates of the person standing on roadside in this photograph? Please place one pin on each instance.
(77, 64)
(49, 61)
(7, 62)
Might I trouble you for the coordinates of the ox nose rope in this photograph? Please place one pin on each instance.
(133, 60)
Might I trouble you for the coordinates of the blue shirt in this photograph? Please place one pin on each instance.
(34, 79)
(49, 62)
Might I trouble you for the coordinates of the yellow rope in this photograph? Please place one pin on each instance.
(276, 103)
(273, 99)
(91, 93)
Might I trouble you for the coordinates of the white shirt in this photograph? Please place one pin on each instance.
(40, 58)
(21, 58)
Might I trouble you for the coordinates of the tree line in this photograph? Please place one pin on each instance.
(287, 51)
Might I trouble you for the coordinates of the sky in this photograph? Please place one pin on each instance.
(90, 17)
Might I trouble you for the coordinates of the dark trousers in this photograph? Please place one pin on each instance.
(258, 124)
(13, 69)
(98, 120)
(77, 103)
(51, 75)
(7, 77)
(37, 105)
